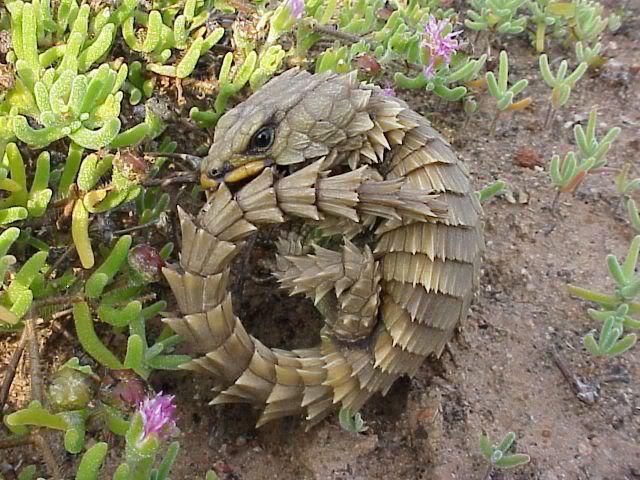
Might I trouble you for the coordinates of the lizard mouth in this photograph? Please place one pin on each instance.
(243, 172)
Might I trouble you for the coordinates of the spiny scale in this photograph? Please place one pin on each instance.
(386, 308)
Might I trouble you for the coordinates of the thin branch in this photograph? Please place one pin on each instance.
(37, 385)
(47, 455)
(585, 392)
(332, 31)
(58, 300)
(38, 441)
(61, 314)
(549, 116)
(164, 182)
(241, 6)
(487, 472)
(135, 228)
(193, 160)
(16, 442)
(59, 260)
(11, 369)
(59, 329)
(554, 204)
(494, 122)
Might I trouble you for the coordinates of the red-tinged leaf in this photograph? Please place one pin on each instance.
(573, 184)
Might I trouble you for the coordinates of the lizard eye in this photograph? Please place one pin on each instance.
(262, 139)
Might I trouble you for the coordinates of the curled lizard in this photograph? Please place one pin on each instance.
(349, 161)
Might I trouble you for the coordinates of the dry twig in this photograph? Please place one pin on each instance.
(10, 371)
(585, 392)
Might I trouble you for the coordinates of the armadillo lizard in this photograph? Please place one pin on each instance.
(352, 161)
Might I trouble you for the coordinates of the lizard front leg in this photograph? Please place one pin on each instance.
(309, 193)
(344, 285)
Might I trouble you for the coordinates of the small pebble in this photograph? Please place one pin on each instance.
(584, 449)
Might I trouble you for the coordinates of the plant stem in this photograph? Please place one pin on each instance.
(37, 385)
(549, 115)
(242, 6)
(135, 228)
(58, 300)
(193, 160)
(475, 41)
(15, 442)
(10, 370)
(164, 182)
(494, 122)
(59, 260)
(467, 119)
(333, 32)
(47, 455)
(554, 204)
(487, 473)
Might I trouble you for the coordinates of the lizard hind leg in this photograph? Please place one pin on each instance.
(344, 284)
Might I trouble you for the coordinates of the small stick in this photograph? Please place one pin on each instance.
(16, 442)
(38, 441)
(37, 385)
(494, 122)
(164, 182)
(61, 314)
(616, 377)
(58, 300)
(10, 371)
(554, 204)
(136, 227)
(333, 32)
(585, 392)
(59, 260)
(193, 160)
(475, 41)
(549, 116)
(58, 328)
(47, 455)
(487, 473)
(180, 98)
(241, 6)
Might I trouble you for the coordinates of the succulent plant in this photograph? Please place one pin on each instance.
(560, 83)
(611, 341)
(502, 92)
(497, 456)
(616, 308)
(351, 423)
(500, 16)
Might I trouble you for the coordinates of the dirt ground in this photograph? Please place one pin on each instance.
(499, 374)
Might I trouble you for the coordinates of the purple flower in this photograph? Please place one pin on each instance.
(439, 46)
(158, 416)
(388, 90)
(296, 8)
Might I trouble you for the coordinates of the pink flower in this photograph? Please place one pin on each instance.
(439, 46)
(388, 90)
(296, 8)
(158, 416)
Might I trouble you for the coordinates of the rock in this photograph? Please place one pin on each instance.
(584, 449)
(528, 158)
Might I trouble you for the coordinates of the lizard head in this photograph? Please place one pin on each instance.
(293, 119)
